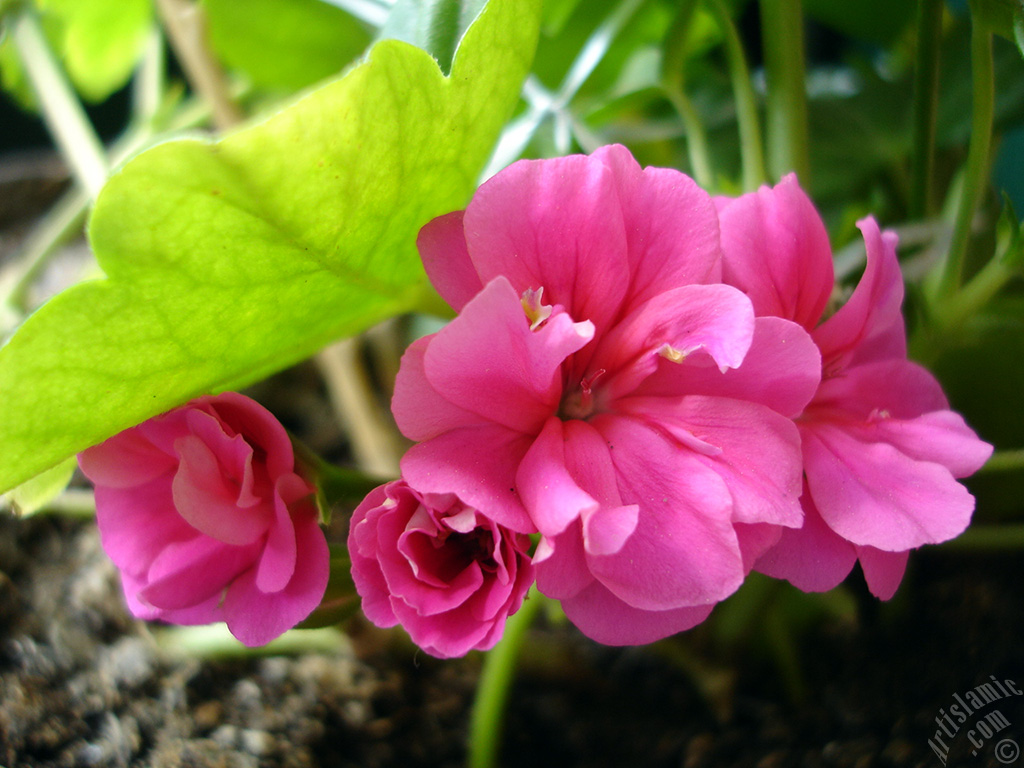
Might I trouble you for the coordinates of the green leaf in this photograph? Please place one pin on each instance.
(999, 16)
(433, 25)
(99, 43)
(286, 44)
(227, 261)
(33, 495)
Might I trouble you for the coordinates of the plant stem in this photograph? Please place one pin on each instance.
(674, 79)
(186, 29)
(948, 280)
(751, 151)
(1005, 461)
(65, 118)
(696, 138)
(925, 106)
(786, 104)
(989, 538)
(485, 727)
(951, 314)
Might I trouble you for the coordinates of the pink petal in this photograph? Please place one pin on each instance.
(564, 572)
(870, 325)
(941, 437)
(715, 319)
(442, 246)
(776, 250)
(883, 571)
(187, 573)
(489, 362)
(292, 498)
(420, 411)
(549, 493)
(759, 451)
(477, 463)
(899, 388)
(557, 225)
(603, 617)
(125, 460)
(260, 427)
(684, 550)
(366, 572)
(781, 370)
(671, 226)
(256, 617)
(755, 539)
(812, 558)
(872, 493)
(208, 500)
(135, 524)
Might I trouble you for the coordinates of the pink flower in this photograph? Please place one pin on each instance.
(204, 515)
(881, 448)
(448, 574)
(591, 390)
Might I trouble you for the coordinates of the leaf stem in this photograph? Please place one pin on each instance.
(948, 280)
(751, 146)
(485, 727)
(786, 104)
(696, 137)
(925, 106)
(65, 118)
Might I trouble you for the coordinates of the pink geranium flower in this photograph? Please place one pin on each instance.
(881, 448)
(204, 515)
(591, 390)
(448, 574)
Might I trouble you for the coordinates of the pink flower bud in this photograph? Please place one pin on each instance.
(204, 515)
(447, 574)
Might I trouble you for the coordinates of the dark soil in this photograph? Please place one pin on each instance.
(82, 684)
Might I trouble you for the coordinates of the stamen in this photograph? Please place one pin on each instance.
(536, 312)
(671, 353)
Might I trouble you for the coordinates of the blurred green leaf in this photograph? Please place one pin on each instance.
(33, 495)
(433, 25)
(286, 44)
(98, 42)
(227, 261)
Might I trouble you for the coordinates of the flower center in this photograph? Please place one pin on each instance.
(579, 402)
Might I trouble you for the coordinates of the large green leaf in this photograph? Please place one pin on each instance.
(227, 261)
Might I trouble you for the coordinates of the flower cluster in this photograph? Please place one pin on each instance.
(642, 384)
(639, 376)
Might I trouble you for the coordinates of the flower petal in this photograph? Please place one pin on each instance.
(442, 246)
(477, 463)
(557, 225)
(873, 493)
(776, 250)
(671, 226)
(256, 617)
(489, 362)
(684, 550)
(603, 617)
(883, 571)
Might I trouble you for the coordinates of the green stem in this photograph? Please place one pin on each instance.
(976, 173)
(786, 104)
(696, 137)
(1005, 461)
(925, 106)
(65, 118)
(485, 727)
(988, 538)
(674, 78)
(950, 315)
(751, 151)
